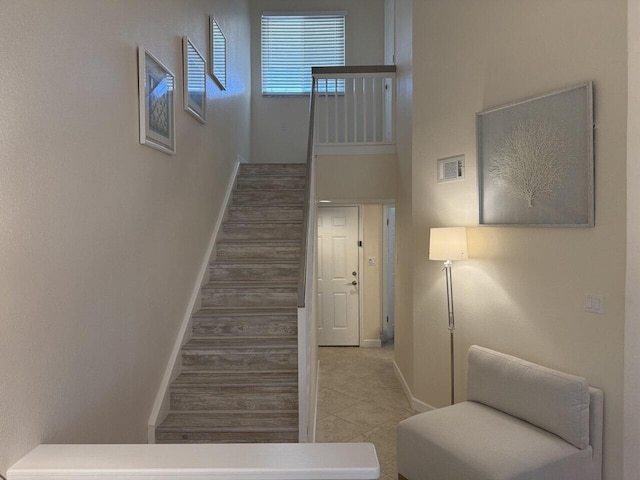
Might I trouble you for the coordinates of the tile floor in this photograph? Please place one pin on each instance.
(361, 400)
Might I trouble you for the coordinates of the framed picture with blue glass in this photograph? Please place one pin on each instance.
(195, 81)
(157, 96)
(218, 47)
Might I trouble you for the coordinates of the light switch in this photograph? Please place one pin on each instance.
(372, 261)
(594, 303)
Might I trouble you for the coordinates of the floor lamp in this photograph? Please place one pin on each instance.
(448, 244)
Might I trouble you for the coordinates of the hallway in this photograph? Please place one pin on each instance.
(361, 400)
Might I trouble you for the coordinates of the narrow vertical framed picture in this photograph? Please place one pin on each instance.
(156, 87)
(195, 81)
(218, 46)
(536, 161)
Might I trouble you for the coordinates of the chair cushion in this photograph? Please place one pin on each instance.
(472, 441)
(552, 400)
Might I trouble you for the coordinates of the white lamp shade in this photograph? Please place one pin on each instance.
(448, 243)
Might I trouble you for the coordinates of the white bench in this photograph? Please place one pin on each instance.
(300, 461)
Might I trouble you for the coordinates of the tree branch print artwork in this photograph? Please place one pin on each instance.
(532, 161)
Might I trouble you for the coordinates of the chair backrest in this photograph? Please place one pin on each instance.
(552, 400)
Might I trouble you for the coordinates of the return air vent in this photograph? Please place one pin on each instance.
(451, 169)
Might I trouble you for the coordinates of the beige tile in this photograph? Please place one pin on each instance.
(389, 469)
(361, 400)
(369, 415)
(321, 414)
(384, 438)
(332, 401)
(334, 429)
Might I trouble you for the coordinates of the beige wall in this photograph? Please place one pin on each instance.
(359, 177)
(632, 326)
(280, 124)
(101, 238)
(523, 291)
(371, 275)
(404, 187)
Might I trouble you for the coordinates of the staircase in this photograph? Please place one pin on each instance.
(239, 379)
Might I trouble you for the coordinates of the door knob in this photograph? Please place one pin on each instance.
(354, 283)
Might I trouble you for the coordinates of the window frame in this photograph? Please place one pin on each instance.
(303, 91)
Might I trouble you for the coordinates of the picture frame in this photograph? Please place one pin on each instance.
(195, 81)
(156, 92)
(218, 50)
(536, 162)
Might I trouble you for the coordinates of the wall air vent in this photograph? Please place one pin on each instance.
(451, 169)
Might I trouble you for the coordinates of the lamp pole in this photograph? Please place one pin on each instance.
(452, 321)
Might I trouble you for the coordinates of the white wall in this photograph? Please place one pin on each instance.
(523, 291)
(632, 324)
(101, 238)
(280, 124)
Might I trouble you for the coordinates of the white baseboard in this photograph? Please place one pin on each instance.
(314, 414)
(161, 405)
(371, 343)
(417, 405)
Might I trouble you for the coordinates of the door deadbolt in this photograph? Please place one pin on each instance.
(354, 273)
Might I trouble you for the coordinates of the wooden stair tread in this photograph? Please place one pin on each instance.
(250, 284)
(258, 311)
(225, 378)
(253, 261)
(240, 343)
(231, 421)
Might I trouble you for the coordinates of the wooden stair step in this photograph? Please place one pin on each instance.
(265, 213)
(270, 182)
(277, 250)
(235, 294)
(223, 378)
(234, 397)
(229, 427)
(268, 197)
(214, 312)
(229, 421)
(260, 271)
(273, 169)
(261, 231)
(213, 344)
(243, 323)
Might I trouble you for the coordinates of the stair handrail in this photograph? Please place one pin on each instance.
(319, 72)
(307, 199)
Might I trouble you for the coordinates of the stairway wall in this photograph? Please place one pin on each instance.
(97, 257)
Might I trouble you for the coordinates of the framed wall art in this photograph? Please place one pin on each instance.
(195, 81)
(218, 47)
(156, 94)
(535, 161)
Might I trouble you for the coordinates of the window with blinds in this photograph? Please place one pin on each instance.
(292, 43)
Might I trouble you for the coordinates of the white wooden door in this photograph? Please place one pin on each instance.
(338, 277)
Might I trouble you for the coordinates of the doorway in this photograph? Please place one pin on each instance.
(338, 276)
(389, 275)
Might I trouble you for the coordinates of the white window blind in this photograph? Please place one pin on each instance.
(293, 43)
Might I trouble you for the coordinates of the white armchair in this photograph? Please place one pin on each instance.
(522, 421)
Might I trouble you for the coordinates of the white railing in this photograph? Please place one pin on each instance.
(309, 461)
(354, 107)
